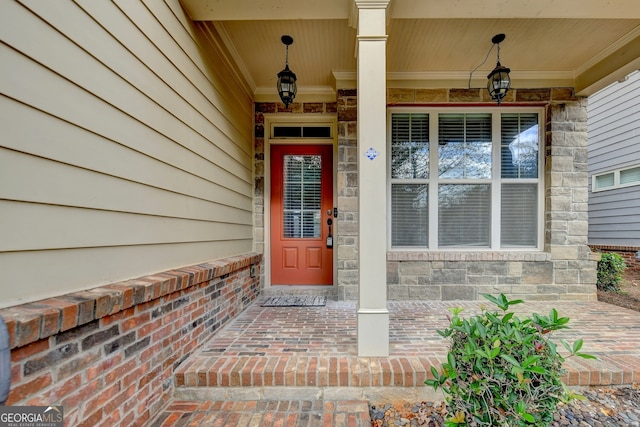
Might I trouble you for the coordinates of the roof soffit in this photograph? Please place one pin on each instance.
(250, 10)
(582, 43)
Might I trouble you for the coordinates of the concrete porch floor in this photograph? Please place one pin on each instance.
(299, 365)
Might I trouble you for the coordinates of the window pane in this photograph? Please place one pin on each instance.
(464, 146)
(311, 224)
(311, 169)
(293, 168)
(316, 132)
(629, 176)
(604, 181)
(519, 222)
(311, 194)
(410, 146)
(287, 132)
(292, 226)
(519, 147)
(464, 215)
(301, 204)
(292, 196)
(409, 215)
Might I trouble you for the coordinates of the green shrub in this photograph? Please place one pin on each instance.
(610, 268)
(501, 370)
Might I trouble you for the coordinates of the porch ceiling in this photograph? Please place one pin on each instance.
(587, 44)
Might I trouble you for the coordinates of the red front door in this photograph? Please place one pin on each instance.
(301, 207)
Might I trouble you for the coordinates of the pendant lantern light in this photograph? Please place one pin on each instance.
(287, 88)
(498, 80)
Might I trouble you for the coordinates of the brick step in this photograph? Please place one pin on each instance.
(303, 371)
(348, 378)
(304, 377)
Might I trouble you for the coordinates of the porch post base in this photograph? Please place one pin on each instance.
(373, 332)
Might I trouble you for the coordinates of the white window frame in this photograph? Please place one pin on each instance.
(616, 179)
(495, 181)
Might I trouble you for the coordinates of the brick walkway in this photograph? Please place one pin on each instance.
(253, 413)
(289, 356)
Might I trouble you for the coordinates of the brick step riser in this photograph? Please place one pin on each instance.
(373, 395)
(367, 372)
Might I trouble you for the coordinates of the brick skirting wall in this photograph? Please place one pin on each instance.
(108, 354)
(626, 252)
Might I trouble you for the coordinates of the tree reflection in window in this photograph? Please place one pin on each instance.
(519, 147)
(464, 146)
(410, 146)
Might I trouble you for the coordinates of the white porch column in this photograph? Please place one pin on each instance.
(373, 315)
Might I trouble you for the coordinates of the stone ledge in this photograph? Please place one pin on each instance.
(36, 320)
(465, 256)
(615, 248)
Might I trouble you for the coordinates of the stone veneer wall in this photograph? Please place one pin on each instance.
(108, 354)
(348, 264)
(566, 270)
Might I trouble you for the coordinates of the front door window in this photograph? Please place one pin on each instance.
(302, 197)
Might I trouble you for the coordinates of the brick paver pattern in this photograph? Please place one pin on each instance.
(317, 347)
(265, 414)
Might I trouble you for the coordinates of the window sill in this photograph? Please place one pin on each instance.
(467, 255)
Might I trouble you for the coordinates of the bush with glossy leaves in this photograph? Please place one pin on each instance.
(502, 370)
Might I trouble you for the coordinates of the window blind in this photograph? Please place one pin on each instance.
(409, 215)
(464, 215)
(301, 198)
(519, 215)
(604, 181)
(628, 176)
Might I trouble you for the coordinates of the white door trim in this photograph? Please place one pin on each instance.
(271, 120)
